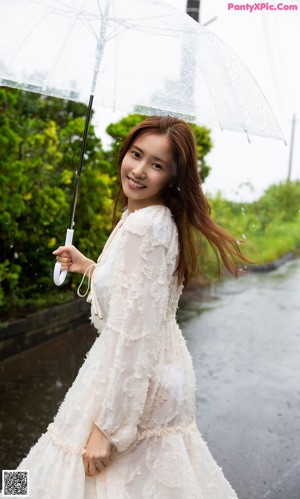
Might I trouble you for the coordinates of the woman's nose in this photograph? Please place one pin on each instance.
(139, 170)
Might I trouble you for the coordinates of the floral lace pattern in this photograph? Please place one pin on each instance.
(137, 383)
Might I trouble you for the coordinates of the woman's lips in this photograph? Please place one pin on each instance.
(135, 185)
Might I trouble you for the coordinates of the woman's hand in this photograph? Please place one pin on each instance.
(71, 259)
(97, 455)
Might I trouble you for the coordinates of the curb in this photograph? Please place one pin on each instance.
(267, 267)
(42, 326)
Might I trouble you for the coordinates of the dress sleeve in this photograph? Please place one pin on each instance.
(133, 331)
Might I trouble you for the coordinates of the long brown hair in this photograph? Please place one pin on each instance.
(186, 200)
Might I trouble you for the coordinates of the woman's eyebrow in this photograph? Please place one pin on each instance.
(154, 157)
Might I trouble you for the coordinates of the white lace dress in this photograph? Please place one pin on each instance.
(137, 383)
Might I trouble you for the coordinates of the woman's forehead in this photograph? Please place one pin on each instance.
(156, 145)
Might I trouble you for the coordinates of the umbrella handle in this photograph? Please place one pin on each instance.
(58, 276)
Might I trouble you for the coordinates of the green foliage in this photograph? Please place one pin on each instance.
(40, 143)
(204, 145)
(266, 228)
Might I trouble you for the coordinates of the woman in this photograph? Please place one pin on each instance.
(127, 426)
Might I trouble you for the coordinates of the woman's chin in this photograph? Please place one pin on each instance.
(134, 193)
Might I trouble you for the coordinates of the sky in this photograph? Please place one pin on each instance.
(268, 43)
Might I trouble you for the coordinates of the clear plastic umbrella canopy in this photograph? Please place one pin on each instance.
(131, 55)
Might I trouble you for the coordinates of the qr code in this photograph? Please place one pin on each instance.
(15, 483)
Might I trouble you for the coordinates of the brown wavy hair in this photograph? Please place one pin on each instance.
(188, 204)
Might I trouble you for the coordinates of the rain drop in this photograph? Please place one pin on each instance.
(244, 236)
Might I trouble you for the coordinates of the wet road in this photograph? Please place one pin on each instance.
(244, 337)
(245, 342)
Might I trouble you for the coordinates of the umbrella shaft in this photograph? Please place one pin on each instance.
(83, 147)
(100, 45)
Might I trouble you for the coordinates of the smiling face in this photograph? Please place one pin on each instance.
(146, 169)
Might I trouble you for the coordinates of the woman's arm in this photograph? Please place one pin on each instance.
(132, 334)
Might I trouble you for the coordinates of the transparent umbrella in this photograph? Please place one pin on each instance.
(132, 55)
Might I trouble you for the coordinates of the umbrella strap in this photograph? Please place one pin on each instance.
(89, 280)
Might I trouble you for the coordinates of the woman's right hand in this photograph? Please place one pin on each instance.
(71, 259)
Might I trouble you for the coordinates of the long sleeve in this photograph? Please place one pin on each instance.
(133, 329)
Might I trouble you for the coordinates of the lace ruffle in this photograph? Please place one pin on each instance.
(160, 432)
(65, 446)
(156, 433)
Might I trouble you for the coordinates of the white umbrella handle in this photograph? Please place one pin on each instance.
(58, 276)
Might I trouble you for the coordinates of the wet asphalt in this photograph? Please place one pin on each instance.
(244, 338)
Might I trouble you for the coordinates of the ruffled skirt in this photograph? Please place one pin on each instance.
(174, 465)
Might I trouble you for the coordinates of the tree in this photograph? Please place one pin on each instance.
(40, 142)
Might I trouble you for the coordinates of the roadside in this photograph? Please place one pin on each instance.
(18, 335)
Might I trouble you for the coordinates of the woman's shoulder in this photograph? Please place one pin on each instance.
(156, 221)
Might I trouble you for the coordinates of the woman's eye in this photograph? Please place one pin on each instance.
(157, 165)
(136, 154)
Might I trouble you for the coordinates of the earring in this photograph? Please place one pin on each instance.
(173, 187)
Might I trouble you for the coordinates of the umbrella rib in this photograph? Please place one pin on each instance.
(159, 31)
(28, 36)
(228, 79)
(90, 28)
(61, 52)
(115, 33)
(65, 10)
(99, 7)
